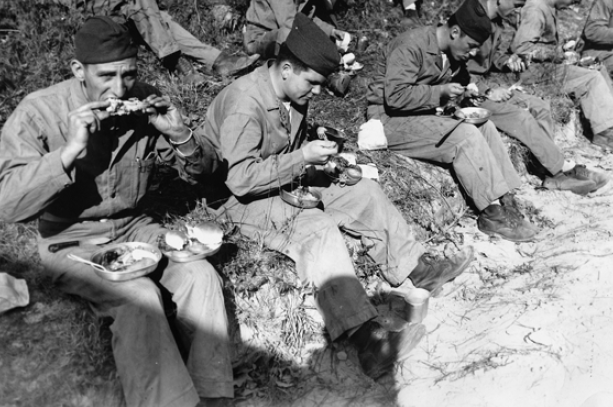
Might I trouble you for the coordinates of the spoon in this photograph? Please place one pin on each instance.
(84, 261)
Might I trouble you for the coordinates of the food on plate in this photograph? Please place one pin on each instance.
(201, 239)
(176, 240)
(125, 258)
(120, 107)
(304, 194)
(207, 233)
(475, 115)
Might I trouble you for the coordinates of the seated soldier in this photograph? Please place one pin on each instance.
(268, 22)
(170, 42)
(82, 171)
(524, 117)
(598, 33)
(536, 42)
(259, 125)
(424, 69)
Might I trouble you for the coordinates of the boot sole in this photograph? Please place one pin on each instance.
(601, 184)
(518, 240)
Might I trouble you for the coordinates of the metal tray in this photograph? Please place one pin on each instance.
(464, 113)
(185, 256)
(128, 274)
(299, 202)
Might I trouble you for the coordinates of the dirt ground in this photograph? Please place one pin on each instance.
(528, 324)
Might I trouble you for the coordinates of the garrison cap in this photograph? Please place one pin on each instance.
(312, 46)
(473, 20)
(101, 40)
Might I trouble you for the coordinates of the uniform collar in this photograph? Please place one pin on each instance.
(431, 42)
(77, 92)
(267, 91)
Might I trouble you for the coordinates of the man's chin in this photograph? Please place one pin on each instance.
(301, 102)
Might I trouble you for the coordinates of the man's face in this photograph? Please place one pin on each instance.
(111, 79)
(461, 46)
(301, 87)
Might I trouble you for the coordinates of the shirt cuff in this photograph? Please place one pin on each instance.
(297, 160)
(58, 176)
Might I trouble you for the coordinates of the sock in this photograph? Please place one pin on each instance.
(568, 165)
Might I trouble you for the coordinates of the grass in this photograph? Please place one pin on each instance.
(55, 353)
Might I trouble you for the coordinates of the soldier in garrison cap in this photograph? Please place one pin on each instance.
(268, 23)
(423, 70)
(65, 160)
(175, 46)
(537, 43)
(259, 125)
(522, 116)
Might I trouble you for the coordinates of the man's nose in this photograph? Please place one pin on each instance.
(118, 87)
(316, 90)
(473, 52)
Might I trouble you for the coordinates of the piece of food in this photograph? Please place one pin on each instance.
(304, 194)
(176, 240)
(126, 259)
(207, 233)
(121, 107)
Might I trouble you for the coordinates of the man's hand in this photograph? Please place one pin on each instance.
(499, 94)
(82, 122)
(516, 64)
(338, 35)
(166, 118)
(318, 151)
(451, 90)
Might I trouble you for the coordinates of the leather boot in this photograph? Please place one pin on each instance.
(379, 349)
(507, 223)
(431, 273)
(230, 65)
(604, 139)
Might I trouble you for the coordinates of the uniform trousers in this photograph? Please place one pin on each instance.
(528, 119)
(159, 31)
(148, 358)
(477, 154)
(313, 238)
(592, 89)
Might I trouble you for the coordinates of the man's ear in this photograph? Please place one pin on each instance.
(78, 69)
(454, 32)
(286, 69)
